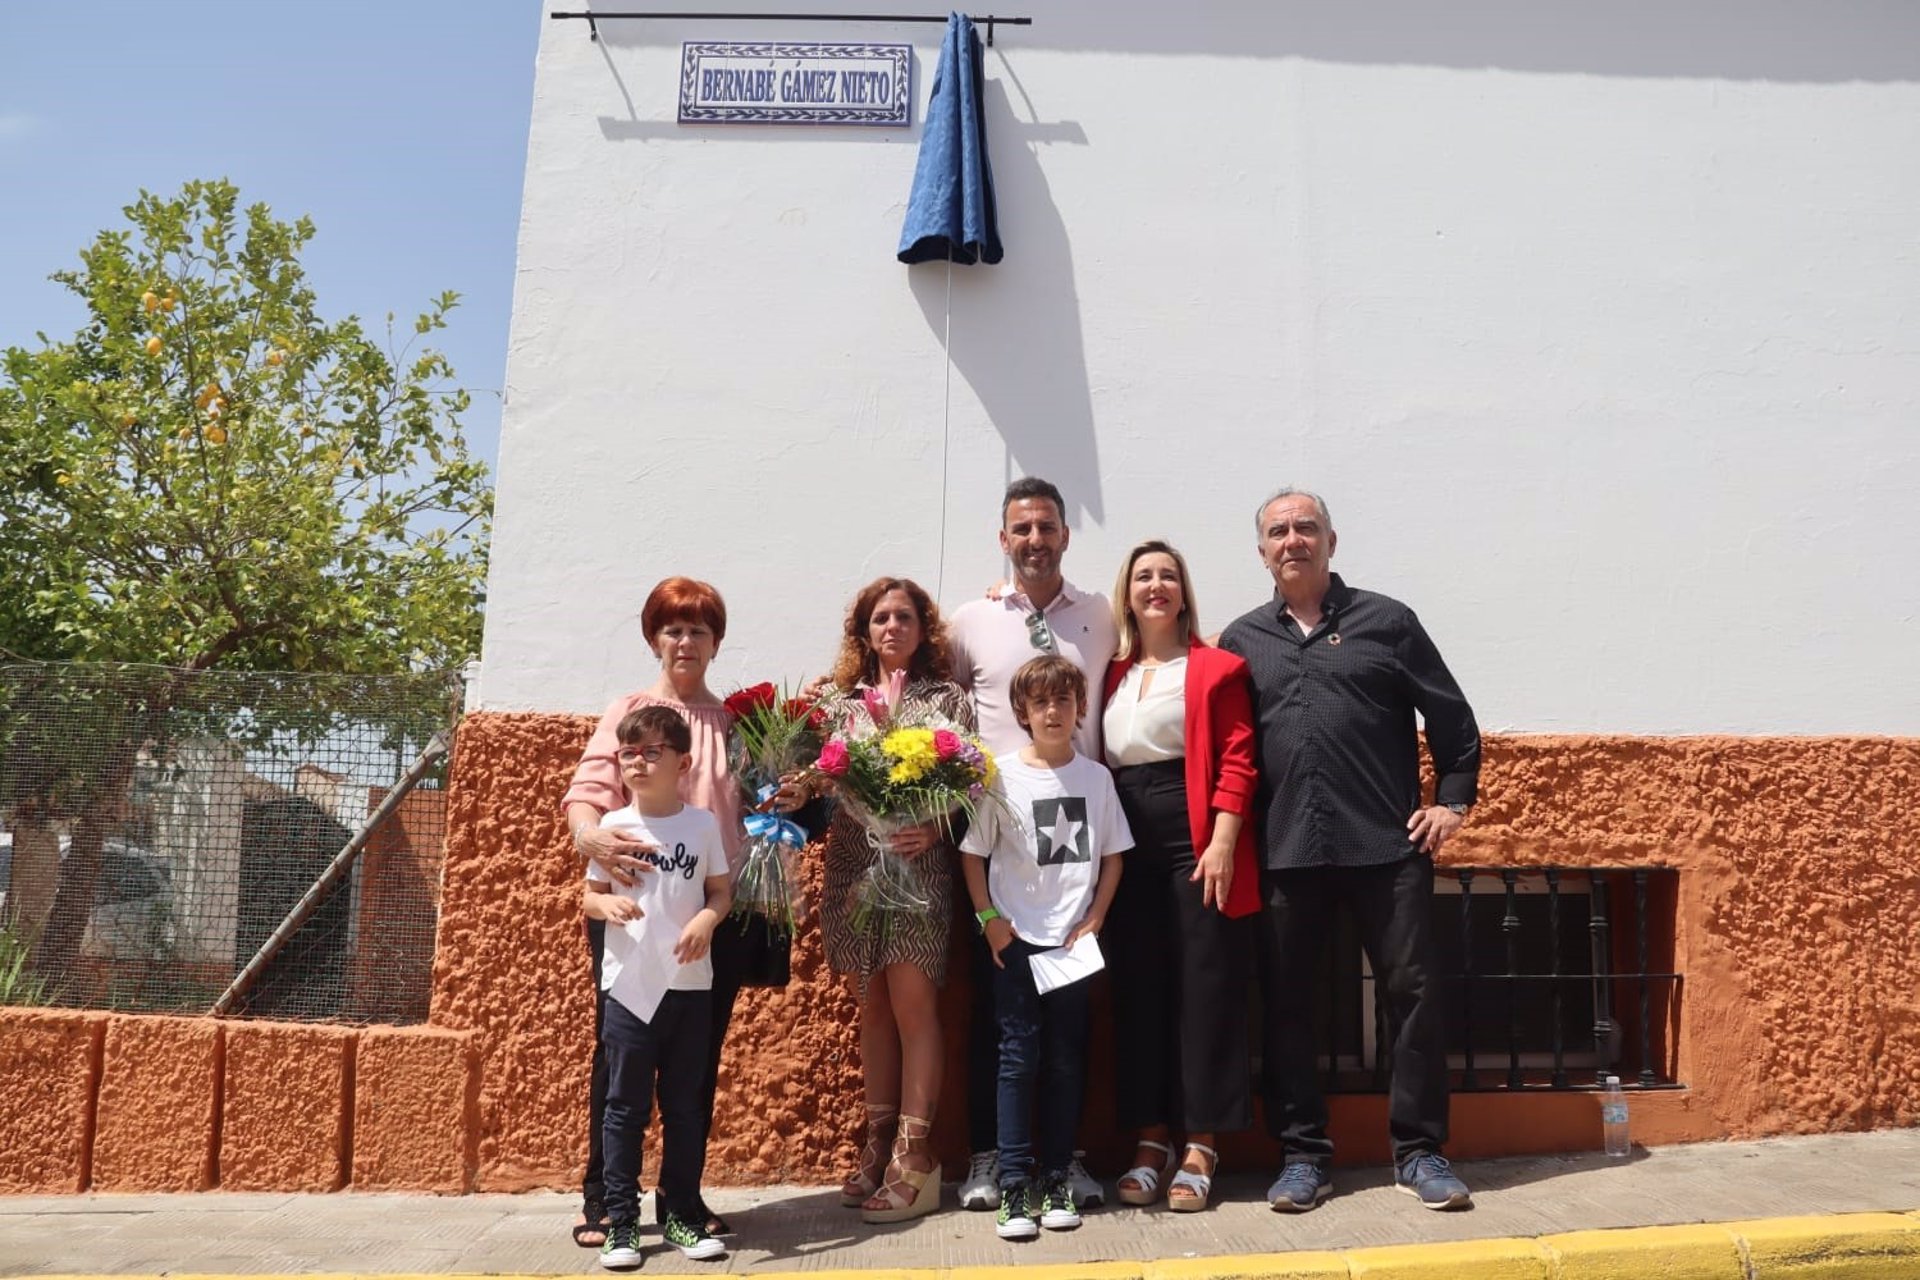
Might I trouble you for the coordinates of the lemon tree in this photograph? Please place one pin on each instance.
(210, 474)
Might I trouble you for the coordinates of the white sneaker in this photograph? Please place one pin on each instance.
(981, 1187)
(1084, 1187)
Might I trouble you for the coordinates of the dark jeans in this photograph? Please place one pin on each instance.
(983, 1047)
(670, 1048)
(1392, 907)
(737, 955)
(1180, 970)
(1043, 1051)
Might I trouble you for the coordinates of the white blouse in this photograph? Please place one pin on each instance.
(1143, 730)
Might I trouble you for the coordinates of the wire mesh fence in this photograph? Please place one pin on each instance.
(157, 827)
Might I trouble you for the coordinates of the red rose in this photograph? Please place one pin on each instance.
(753, 698)
(814, 714)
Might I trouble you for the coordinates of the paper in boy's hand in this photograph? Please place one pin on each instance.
(650, 969)
(1065, 965)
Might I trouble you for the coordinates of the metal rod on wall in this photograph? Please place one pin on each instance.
(594, 18)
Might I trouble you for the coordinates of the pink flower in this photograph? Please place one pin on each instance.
(946, 744)
(833, 758)
(884, 703)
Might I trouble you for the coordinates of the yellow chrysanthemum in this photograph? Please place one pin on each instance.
(910, 744)
(912, 752)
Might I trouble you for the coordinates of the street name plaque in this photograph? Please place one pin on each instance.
(729, 82)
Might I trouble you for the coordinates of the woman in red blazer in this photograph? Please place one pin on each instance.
(1179, 737)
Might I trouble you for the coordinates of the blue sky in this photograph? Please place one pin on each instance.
(400, 126)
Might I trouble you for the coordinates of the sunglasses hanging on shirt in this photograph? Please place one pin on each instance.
(1039, 634)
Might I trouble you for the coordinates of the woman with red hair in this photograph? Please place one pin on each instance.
(683, 621)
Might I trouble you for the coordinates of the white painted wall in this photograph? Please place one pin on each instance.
(1596, 324)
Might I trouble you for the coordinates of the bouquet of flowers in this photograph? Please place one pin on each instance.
(892, 768)
(773, 735)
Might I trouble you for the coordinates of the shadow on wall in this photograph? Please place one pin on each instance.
(1833, 42)
(1016, 336)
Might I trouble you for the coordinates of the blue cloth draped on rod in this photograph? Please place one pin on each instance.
(950, 213)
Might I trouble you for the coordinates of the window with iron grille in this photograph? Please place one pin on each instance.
(1552, 978)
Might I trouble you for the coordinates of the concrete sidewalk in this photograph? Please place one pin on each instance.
(804, 1229)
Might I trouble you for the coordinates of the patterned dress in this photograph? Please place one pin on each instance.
(919, 940)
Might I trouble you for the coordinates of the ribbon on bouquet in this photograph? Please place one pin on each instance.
(775, 828)
(772, 826)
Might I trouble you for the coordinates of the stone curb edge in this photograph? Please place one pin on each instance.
(1849, 1246)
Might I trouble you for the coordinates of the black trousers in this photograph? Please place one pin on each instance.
(669, 1048)
(738, 955)
(1392, 908)
(746, 953)
(1179, 973)
(983, 1049)
(593, 1185)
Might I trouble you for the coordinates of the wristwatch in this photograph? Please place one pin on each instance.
(985, 914)
(1458, 810)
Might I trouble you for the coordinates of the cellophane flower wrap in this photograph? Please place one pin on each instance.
(894, 766)
(774, 734)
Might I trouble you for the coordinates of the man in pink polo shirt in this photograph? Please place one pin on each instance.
(989, 640)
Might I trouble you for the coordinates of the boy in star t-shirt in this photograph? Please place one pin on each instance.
(1042, 873)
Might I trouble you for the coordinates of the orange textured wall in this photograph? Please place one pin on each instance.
(284, 1107)
(50, 1063)
(512, 965)
(1799, 886)
(158, 1104)
(415, 1097)
(1798, 889)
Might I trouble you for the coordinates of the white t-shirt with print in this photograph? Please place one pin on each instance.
(638, 966)
(1044, 834)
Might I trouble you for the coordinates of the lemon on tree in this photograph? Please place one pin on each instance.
(269, 557)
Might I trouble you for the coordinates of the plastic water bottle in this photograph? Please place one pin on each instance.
(1613, 1118)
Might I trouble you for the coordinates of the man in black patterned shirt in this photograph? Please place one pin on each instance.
(1339, 675)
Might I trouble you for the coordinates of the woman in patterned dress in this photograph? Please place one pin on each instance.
(896, 964)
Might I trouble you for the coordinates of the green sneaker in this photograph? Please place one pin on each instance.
(1056, 1205)
(621, 1252)
(1015, 1220)
(690, 1238)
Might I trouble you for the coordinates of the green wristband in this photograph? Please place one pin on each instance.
(985, 914)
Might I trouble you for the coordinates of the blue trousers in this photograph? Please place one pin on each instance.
(1043, 1067)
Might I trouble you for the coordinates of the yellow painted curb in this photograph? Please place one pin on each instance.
(1842, 1246)
(1633, 1253)
(1305, 1264)
(1480, 1259)
(1298, 1265)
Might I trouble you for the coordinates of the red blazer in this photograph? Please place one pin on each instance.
(1221, 773)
